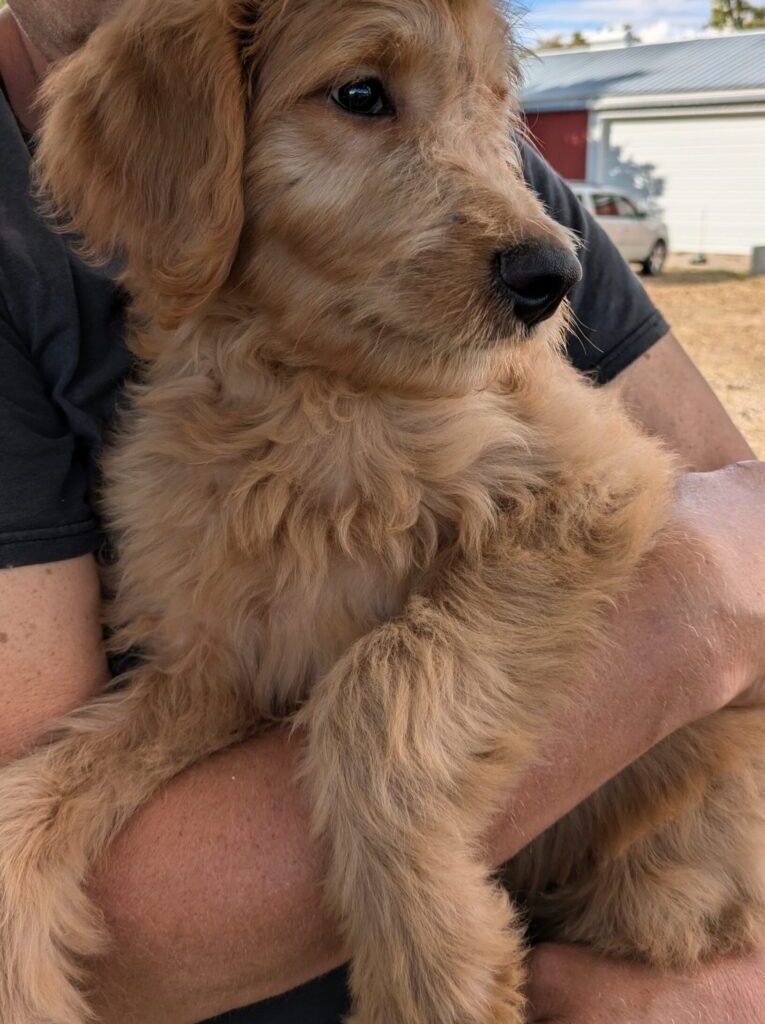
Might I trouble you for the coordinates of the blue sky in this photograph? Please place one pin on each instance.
(658, 19)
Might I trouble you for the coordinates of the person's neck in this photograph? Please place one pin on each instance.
(22, 67)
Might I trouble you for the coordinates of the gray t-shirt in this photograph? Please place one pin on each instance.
(63, 362)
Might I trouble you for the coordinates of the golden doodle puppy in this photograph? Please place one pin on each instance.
(358, 485)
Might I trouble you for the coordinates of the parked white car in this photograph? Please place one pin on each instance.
(639, 235)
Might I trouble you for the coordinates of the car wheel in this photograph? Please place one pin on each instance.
(657, 257)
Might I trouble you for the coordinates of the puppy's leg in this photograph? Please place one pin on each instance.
(402, 765)
(667, 863)
(61, 805)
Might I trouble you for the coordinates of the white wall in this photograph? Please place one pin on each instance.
(704, 170)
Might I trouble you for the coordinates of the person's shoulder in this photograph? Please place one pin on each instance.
(52, 305)
(63, 359)
(33, 261)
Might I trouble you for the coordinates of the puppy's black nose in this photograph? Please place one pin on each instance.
(536, 277)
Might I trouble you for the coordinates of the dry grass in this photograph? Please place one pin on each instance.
(718, 313)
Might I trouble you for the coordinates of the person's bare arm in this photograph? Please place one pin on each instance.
(570, 985)
(214, 891)
(51, 658)
(667, 394)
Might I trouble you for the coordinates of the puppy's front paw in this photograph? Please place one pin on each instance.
(740, 927)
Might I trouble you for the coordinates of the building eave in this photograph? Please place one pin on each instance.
(732, 98)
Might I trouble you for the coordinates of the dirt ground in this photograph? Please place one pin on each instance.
(718, 313)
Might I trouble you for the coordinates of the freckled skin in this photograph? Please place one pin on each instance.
(45, 622)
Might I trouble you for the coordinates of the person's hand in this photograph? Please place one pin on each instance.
(723, 514)
(570, 985)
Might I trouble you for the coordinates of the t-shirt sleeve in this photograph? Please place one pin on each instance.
(615, 321)
(44, 511)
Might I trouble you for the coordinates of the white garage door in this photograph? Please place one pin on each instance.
(707, 174)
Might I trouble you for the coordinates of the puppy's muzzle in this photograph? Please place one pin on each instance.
(536, 277)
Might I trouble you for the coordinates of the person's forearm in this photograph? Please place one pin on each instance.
(572, 985)
(662, 669)
(214, 891)
(51, 654)
(669, 397)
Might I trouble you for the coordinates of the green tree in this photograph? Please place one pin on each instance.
(577, 39)
(736, 14)
(550, 43)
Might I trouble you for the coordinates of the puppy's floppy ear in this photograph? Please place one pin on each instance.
(142, 147)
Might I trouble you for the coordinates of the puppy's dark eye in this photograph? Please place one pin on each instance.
(367, 98)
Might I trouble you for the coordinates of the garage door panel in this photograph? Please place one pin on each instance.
(705, 173)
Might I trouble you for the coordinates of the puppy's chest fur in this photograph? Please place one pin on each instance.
(268, 526)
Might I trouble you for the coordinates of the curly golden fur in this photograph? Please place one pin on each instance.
(352, 488)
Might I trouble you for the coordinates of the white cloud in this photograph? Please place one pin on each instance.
(659, 32)
(653, 20)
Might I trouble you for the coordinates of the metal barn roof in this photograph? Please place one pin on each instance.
(573, 79)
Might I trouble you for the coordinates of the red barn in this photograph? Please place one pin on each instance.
(561, 136)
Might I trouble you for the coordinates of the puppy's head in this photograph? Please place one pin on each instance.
(341, 170)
